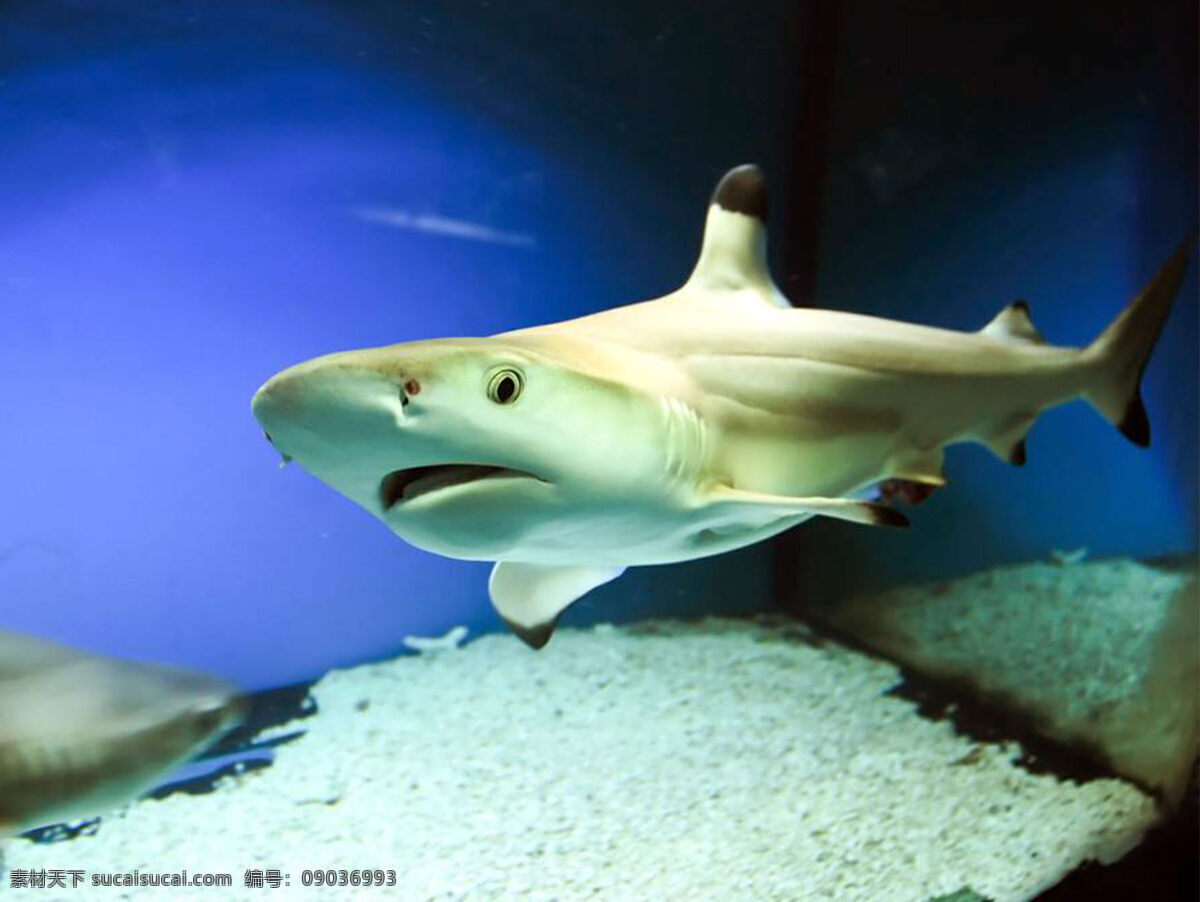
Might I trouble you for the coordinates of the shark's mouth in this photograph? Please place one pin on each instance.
(405, 485)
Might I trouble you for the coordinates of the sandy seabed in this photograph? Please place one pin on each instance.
(728, 760)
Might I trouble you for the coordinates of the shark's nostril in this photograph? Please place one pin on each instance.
(286, 458)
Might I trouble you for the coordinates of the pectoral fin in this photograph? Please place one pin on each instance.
(725, 499)
(531, 596)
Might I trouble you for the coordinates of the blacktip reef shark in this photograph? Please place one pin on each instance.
(684, 426)
(82, 733)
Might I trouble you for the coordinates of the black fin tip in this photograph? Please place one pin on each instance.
(1135, 425)
(533, 636)
(743, 190)
(888, 516)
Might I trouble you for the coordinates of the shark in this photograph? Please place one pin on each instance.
(685, 426)
(81, 733)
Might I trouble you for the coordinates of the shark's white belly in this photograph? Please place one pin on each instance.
(609, 538)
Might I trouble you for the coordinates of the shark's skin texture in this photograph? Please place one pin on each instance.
(680, 427)
(82, 733)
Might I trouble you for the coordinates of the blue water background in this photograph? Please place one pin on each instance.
(183, 190)
(184, 187)
(994, 152)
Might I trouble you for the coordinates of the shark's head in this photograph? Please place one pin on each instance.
(465, 447)
(81, 733)
(177, 711)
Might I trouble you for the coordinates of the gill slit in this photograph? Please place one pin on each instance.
(686, 441)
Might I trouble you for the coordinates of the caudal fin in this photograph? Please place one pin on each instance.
(1124, 348)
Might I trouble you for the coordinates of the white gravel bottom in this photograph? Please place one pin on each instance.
(721, 760)
(1102, 653)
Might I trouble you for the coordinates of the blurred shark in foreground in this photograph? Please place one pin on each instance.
(681, 427)
(81, 733)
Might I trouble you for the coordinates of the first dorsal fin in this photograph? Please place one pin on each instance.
(734, 253)
(1013, 323)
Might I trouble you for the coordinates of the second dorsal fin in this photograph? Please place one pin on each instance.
(1013, 323)
(734, 253)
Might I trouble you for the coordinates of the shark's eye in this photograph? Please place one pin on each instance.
(505, 386)
(410, 388)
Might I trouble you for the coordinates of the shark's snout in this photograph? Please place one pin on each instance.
(219, 715)
(279, 396)
(320, 411)
(273, 404)
(207, 708)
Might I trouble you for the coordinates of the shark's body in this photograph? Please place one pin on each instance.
(681, 427)
(81, 733)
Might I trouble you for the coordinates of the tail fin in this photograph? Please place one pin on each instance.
(1124, 348)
